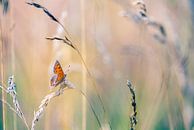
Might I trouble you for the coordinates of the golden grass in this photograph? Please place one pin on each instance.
(117, 49)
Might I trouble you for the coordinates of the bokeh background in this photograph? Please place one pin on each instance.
(115, 48)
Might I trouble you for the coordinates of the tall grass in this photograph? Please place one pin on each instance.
(11, 90)
(69, 42)
(3, 42)
(150, 45)
(133, 117)
(84, 72)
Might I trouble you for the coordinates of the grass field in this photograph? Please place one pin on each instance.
(71, 60)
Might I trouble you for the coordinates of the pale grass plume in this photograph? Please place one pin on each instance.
(140, 16)
(65, 84)
(11, 90)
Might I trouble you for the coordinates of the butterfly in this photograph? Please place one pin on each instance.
(59, 75)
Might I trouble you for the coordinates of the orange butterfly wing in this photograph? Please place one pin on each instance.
(59, 72)
(58, 76)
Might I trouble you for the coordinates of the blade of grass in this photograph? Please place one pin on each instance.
(2, 76)
(50, 15)
(133, 117)
(88, 101)
(83, 48)
(66, 41)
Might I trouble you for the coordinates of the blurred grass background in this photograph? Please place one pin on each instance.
(117, 49)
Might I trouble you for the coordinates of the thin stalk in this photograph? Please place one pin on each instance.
(13, 95)
(95, 114)
(83, 48)
(11, 108)
(2, 76)
(12, 58)
(92, 79)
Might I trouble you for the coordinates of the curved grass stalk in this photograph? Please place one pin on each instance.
(95, 114)
(11, 108)
(68, 42)
(46, 100)
(2, 87)
(44, 103)
(97, 119)
(17, 109)
(2, 76)
(90, 75)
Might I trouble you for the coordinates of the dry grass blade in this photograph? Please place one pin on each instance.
(49, 14)
(133, 117)
(44, 9)
(82, 93)
(66, 40)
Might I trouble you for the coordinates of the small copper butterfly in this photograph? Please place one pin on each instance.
(58, 76)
